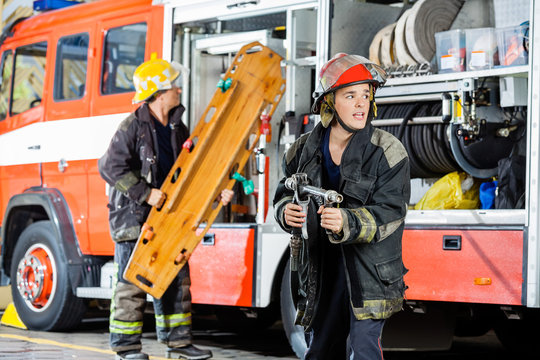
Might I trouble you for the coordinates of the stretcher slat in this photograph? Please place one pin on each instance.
(224, 138)
(206, 132)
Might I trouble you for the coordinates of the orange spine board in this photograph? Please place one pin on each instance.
(223, 140)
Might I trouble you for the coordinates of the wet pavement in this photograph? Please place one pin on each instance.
(90, 342)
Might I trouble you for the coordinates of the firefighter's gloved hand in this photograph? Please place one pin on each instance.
(156, 198)
(331, 219)
(293, 215)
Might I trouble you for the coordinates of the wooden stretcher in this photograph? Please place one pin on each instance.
(219, 146)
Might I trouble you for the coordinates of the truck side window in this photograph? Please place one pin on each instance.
(29, 76)
(123, 52)
(71, 67)
(5, 86)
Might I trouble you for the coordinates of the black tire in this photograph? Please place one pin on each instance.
(475, 320)
(469, 328)
(47, 304)
(295, 333)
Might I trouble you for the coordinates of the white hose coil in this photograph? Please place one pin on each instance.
(402, 54)
(426, 18)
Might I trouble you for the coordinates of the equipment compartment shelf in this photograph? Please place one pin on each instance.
(407, 89)
(518, 71)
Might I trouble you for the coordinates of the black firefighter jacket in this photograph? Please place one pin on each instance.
(130, 166)
(376, 188)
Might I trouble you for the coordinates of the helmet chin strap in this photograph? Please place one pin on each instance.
(348, 129)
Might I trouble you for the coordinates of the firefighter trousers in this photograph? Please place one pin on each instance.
(172, 311)
(335, 332)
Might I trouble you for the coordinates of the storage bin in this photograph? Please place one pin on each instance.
(450, 50)
(513, 45)
(481, 49)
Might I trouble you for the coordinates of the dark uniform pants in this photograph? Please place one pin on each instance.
(172, 311)
(336, 333)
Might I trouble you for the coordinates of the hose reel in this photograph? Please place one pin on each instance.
(436, 148)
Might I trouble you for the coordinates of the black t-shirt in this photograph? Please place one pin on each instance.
(165, 156)
(331, 257)
(331, 172)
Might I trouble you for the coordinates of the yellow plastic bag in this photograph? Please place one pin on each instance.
(456, 190)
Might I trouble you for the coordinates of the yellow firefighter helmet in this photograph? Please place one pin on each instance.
(155, 75)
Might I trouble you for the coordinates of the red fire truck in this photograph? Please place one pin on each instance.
(66, 85)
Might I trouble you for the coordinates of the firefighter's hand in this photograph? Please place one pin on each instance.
(226, 196)
(293, 215)
(156, 198)
(331, 219)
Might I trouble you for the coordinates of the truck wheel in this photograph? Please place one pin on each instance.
(295, 333)
(40, 284)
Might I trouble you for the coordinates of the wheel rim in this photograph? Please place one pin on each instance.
(36, 277)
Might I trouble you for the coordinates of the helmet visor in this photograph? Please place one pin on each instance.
(183, 74)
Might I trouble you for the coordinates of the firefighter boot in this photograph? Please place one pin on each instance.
(131, 355)
(189, 352)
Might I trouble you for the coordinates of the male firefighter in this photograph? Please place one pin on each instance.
(350, 269)
(139, 157)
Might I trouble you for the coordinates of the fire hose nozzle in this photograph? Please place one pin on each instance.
(332, 196)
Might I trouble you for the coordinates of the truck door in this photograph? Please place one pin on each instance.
(123, 48)
(21, 115)
(69, 137)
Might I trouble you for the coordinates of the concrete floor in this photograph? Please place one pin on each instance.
(90, 342)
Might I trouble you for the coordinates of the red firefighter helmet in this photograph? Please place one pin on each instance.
(345, 70)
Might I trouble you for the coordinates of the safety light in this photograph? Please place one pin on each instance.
(482, 281)
(44, 5)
